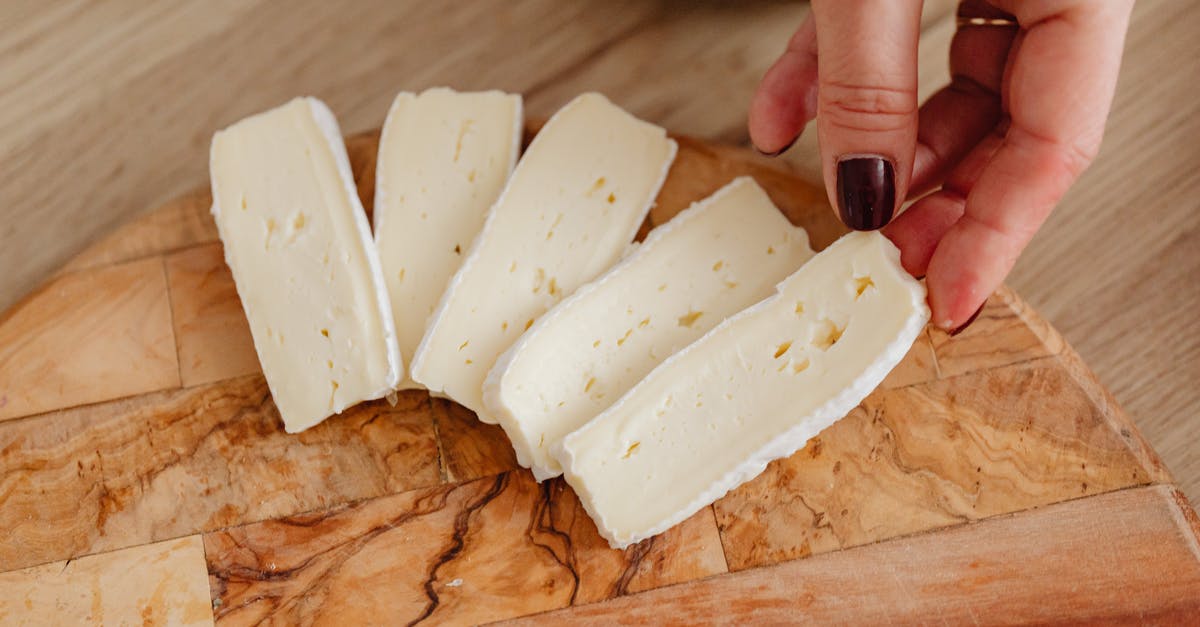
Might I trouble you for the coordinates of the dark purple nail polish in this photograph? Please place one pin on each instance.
(866, 192)
(785, 148)
(966, 324)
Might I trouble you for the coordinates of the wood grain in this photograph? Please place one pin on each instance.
(1002, 571)
(211, 333)
(126, 473)
(154, 584)
(930, 456)
(88, 337)
(492, 548)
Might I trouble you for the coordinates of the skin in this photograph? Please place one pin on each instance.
(998, 147)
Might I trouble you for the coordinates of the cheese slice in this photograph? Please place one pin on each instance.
(573, 204)
(443, 159)
(752, 390)
(714, 259)
(298, 243)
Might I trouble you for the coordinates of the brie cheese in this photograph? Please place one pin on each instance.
(571, 207)
(299, 246)
(753, 389)
(714, 259)
(443, 159)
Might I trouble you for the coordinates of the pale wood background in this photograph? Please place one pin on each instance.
(106, 109)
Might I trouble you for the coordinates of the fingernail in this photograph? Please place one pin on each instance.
(866, 191)
(785, 148)
(966, 324)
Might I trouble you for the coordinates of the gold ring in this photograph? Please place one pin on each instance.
(985, 21)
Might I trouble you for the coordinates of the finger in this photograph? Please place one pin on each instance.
(958, 116)
(1060, 85)
(917, 231)
(867, 104)
(786, 98)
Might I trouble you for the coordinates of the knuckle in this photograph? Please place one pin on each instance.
(867, 107)
(1071, 156)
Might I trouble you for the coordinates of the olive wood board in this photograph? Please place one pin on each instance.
(145, 475)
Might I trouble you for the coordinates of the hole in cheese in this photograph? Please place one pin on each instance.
(828, 335)
(629, 451)
(718, 265)
(325, 332)
(690, 318)
(783, 348)
(797, 368)
(861, 284)
(590, 382)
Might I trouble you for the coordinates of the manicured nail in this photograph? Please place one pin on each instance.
(866, 191)
(781, 150)
(966, 324)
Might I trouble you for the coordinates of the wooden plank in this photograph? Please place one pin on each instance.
(211, 332)
(930, 456)
(154, 584)
(491, 548)
(88, 337)
(162, 465)
(1120, 558)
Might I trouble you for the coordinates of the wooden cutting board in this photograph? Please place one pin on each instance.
(145, 476)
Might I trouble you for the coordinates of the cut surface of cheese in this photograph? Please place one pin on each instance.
(299, 246)
(443, 159)
(714, 259)
(753, 389)
(570, 209)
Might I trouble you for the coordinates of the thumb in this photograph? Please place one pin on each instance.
(867, 104)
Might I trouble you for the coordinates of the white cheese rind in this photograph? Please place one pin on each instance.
(712, 260)
(444, 158)
(753, 389)
(573, 203)
(299, 246)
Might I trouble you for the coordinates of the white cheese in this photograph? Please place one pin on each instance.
(714, 259)
(570, 209)
(752, 390)
(298, 243)
(443, 159)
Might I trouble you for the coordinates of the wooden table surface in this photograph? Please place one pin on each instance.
(108, 107)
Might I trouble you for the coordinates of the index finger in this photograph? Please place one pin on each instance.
(1059, 87)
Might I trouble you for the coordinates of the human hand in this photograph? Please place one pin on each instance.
(1021, 119)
